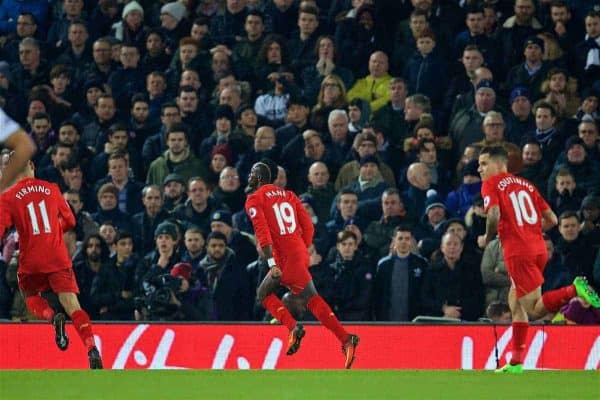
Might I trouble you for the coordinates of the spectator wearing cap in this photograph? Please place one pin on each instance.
(375, 86)
(425, 72)
(160, 260)
(493, 130)
(531, 72)
(587, 52)
(177, 159)
(460, 200)
(199, 206)
(583, 169)
(224, 123)
(520, 120)
(221, 157)
(229, 191)
(465, 127)
(108, 210)
(369, 186)
(113, 287)
(174, 23)
(241, 243)
(514, 31)
(365, 144)
(145, 222)
(432, 221)
(131, 28)
(227, 281)
(174, 192)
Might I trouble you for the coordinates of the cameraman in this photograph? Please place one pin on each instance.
(174, 297)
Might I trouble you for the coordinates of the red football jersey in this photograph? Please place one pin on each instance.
(521, 208)
(40, 214)
(279, 219)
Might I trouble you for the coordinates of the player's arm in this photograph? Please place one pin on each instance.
(549, 220)
(261, 230)
(5, 217)
(491, 226)
(23, 149)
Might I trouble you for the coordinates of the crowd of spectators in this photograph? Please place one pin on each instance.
(150, 114)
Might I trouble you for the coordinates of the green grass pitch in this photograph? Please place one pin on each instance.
(304, 385)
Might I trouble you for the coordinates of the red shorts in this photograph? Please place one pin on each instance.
(61, 281)
(526, 272)
(294, 269)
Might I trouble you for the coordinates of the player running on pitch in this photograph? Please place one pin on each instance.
(41, 215)
(517, 211)
(284, 231)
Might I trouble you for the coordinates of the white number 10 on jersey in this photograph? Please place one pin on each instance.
(286, 219)
(524, 208)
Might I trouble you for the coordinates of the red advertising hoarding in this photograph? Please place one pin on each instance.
(172, 346)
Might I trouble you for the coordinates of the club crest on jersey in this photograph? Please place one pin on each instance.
(252, 212)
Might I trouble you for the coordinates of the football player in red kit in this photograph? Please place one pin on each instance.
(518, 213)
(284, 231)
(41, 215)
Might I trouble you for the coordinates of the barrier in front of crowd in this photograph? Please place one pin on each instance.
(253, 346)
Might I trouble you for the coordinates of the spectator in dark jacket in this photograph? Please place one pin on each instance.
(398, 280)
(108, 210)
(86, 267)
(425, 71)
(453, 287)
(227, 281)
(112, 288)
(346, 283)
(145, 222)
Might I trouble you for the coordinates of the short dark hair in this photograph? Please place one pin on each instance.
(177, 128)
(496, 308)
(496, 152)
(216, 235)
(123, 235)
(116, 127)
(403, 228)
(40, 115)
(346, 191)
(568, 214)
(545, 105)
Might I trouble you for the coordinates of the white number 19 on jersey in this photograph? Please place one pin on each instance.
(286, 219)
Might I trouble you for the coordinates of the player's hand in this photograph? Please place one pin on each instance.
(275, 272)
(482, 241)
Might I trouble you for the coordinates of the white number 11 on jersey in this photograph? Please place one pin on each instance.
(34, 220)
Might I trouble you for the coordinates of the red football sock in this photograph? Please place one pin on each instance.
(83, 326)
(555, 299)
(518, 341)
(39, 307)
(278, 310)
(320, 309)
